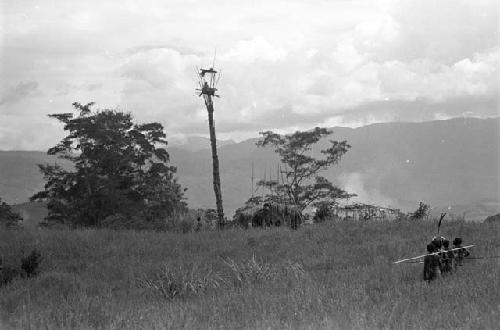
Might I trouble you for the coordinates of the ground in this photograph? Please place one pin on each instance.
(330, 275)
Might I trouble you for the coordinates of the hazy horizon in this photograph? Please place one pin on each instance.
(178, 141)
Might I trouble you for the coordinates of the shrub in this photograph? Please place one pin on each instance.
(242, 220)
(185, 226)
(31, 263)
(421, 212)
(255, 271)
(323, 212)
(8, 218)
(251, 271)
(7, 273)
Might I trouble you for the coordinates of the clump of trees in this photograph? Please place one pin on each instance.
(8, 218)
(300, 183)
(120, 171)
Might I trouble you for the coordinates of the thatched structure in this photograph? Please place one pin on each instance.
(359, 211)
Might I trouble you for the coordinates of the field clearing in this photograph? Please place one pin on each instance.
(330, 275)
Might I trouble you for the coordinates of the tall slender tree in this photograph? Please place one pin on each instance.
(208, 80)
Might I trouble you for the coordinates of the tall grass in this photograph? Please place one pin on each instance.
(330, 275)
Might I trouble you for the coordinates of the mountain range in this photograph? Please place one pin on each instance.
(453, 165)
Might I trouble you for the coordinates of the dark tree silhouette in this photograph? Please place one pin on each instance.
(119, 168)
(8, 218)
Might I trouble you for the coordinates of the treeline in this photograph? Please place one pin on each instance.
(120, 176)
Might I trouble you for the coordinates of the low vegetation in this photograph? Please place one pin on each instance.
(8, 218)
(29, 267)
(327, 275)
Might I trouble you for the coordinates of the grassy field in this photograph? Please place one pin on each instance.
(331, 275)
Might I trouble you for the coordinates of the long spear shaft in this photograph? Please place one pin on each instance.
(434, 253)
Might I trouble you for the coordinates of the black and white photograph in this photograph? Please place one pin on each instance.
(260, 164)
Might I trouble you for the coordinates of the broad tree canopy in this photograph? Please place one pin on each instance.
(119, 167)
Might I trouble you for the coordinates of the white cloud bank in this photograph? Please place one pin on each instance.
(285, 64)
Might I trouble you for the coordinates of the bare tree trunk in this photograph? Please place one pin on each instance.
(215, 160)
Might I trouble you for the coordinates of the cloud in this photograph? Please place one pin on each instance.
(416, 110)
(183, 50)
(443, 32)
(255, 49)
(159, 67)
(20, 91)
(477, 75)
(285, 64)
(31, 137)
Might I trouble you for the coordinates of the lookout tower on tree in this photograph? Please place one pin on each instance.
(208, 79)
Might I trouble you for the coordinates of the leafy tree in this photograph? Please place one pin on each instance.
(301, 183)
(8, 218)
(421, 212)
(119, 168)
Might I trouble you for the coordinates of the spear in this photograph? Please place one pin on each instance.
(430, 254)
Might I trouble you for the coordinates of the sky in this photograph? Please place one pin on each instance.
(285, 65)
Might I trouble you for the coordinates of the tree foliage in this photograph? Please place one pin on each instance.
(119, 167)
(300, 182)
(8, 218)
(421, 212)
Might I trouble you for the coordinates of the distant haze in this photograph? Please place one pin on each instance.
(453, 165)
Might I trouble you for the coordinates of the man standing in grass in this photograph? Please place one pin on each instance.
(432, 264)
(437, 241)
(447, 257)
(461, 253)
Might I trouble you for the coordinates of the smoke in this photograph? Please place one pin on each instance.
(356, 184)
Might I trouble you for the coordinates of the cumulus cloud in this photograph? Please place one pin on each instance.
(315, 63)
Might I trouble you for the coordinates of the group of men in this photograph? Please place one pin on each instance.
(441, 260)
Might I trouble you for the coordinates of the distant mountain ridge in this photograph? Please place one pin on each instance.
(196, 143)
(451, 164)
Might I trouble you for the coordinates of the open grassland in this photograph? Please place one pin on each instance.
(331, 275)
